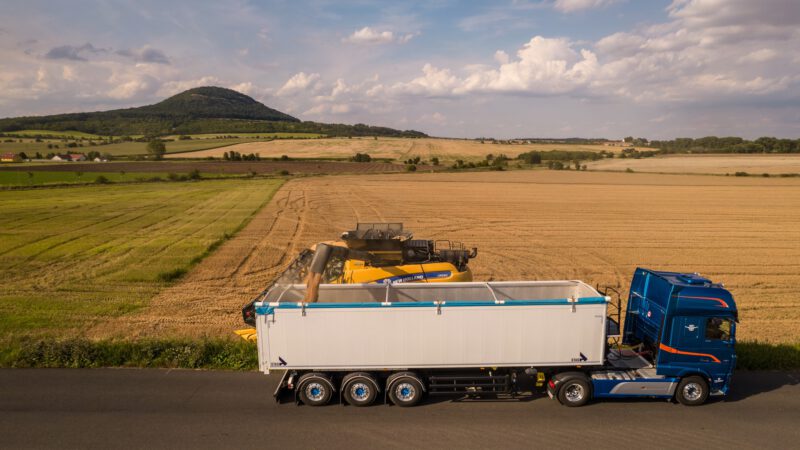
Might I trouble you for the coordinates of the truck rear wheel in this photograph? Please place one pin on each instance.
(315, 389)
(405, 390)
(574, 392)
(692, 391)
(359, 389)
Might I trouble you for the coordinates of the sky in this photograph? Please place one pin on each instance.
(539, 68)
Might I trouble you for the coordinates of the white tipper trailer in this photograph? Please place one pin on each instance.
(362, 342)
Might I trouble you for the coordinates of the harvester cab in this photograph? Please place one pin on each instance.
(372, 253)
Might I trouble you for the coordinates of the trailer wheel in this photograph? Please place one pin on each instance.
(574, 392)
(315, 389)
(692, 391)
(359, 389)
(405, 390)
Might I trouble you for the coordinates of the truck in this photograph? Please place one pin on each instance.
(400, 342)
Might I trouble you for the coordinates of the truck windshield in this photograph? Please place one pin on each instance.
(718, 328)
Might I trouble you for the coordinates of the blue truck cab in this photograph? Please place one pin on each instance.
(679, 331)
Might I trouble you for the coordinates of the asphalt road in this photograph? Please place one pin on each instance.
(129, 408)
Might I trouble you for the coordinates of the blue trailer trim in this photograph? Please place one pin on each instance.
(262, 308)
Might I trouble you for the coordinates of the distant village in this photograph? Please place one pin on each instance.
(38, 157)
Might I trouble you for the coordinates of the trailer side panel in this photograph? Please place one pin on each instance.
(559, 332)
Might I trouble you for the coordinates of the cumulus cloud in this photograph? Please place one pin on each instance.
(699, 55)
(542, 67)
(173, 87)
(145, 54)
(300, 82)
(71, 52)
(368, 35)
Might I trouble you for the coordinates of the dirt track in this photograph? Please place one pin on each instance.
(527, 225)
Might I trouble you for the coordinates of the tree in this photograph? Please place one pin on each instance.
(435, 161)
(156, 148)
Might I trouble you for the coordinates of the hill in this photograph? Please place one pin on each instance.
(200, 110)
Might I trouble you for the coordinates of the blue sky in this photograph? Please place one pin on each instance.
(541, 68)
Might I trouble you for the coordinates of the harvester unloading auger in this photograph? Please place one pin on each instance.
(372, 253)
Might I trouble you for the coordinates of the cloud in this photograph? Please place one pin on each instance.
(542, 67)
(300, 82)
(130, 86)
(71, 52)
(568, 6)
(368, 35)
(434, 82)
(145, 54)
(171, 88)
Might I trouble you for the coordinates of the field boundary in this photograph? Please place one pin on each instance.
(234, 176)
(241, 355)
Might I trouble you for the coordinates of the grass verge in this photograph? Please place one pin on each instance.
(761, 356)
(241, 355)
(82, 353)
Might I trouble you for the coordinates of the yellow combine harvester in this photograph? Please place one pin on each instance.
(372, 253)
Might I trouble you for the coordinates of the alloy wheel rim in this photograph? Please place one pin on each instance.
(692, 391)
(405, 391)
(315, 391)
(360, 391)
(574, 393)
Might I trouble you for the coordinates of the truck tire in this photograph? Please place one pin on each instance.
(314, 389)
(359, 389)
(405, 390)
(692, 391)
(574, 392)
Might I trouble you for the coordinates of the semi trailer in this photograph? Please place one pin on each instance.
(399, 342)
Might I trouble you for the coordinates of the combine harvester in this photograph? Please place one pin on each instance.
(396, 341)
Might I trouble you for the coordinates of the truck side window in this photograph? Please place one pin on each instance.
(717, 328)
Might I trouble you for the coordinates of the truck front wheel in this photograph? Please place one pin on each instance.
(574, 392)
(692, 391)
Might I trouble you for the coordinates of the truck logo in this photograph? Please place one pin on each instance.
(691, 327)
(581, 359)
(283, 363)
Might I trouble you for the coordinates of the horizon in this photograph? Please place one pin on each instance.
(562, 69)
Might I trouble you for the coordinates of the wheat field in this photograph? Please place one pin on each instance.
(527, 225)
(773, 164)
(392, 148)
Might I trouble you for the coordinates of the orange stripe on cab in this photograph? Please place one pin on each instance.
(713, 299)
(669, 349)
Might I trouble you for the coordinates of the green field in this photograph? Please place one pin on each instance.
(57, 142)
(37, 178)
(72, 257)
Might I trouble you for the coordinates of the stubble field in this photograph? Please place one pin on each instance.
(530, 225)
(391, 148)
(774, 164)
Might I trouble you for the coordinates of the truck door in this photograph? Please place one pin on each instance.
(719, 340)
(705, 343)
